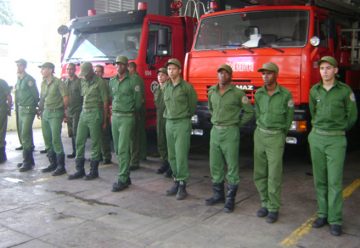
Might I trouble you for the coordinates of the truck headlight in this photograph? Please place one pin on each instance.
(298, 126)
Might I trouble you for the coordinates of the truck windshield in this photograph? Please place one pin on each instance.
(254, 29)
(104, 44)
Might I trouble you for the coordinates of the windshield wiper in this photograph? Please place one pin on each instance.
(275, 48)
(246, 48)
(239, 46)
(73, 59)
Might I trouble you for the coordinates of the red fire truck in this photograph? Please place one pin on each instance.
(292, 36)
(148, 40)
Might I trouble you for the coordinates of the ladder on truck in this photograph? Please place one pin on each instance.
(353, 34)
(194, 8)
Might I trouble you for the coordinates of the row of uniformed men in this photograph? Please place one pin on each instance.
(231, 109)
(333, 110)
(57, 97)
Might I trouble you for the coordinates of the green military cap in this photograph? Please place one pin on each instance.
(122, 59)
(331, 60)
(270, 66)
(47, 65)
(21, 62)
(225, 67)
(85, 68)
(163, 70)
(174, 62)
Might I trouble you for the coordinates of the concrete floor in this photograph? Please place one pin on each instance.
(38, 210)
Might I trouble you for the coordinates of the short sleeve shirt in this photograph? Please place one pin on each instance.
(26, 91)
(4, 92)
(94, 92)
(52, 93)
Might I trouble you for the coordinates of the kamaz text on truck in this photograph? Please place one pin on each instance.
(293, 37)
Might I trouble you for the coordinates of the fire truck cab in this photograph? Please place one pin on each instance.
(148, 40)
(294, 37)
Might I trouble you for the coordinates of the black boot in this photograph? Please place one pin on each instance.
(28, 162)
(94, 172)
(218, 194)
(19, 148)
(52, 159)
(3, 157)
(73, 154)
(80, 170)
(60, 169)
(230, 198)
(181, 194)
(169, 173)
(31, 160)
(164, 167)
(174, 189)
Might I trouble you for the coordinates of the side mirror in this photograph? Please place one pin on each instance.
(62, 30)
(163, 46)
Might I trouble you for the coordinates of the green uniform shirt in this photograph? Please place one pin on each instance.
(52, 94)
(94, 92)
(26, 91)
(107, 87)
(159, 100)
(276, 111)
(126, 94)
(226, 109)
(334, 109)
(180, 100)
(139, 81)
(4, 92)
(75, 97)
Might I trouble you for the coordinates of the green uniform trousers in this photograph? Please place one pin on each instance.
(138, 142)
(328, 156)
(224, 149)
(122, 128)
(178, 142)
(72, 123)
(26, 120)
(268, 167)
(51, 124)
(106, 141)
(161, 137)
(17, 123)
(89, 123)
(3, 125)
(20, 125)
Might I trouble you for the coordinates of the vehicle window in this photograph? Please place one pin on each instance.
(103, 44)
(154, 48)
(254, 29)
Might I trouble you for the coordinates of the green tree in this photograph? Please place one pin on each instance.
(6, 14)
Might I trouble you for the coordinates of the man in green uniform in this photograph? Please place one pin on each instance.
(5, 107)
(180, 101)
(92, 119)
(22, 78)
(274, 109)
(126, 101)
(73, 85)
(26, 99)
(138, 143)
(226, 104)
(53, 104)
(333, 110)
(106, 132)
(162, 77)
